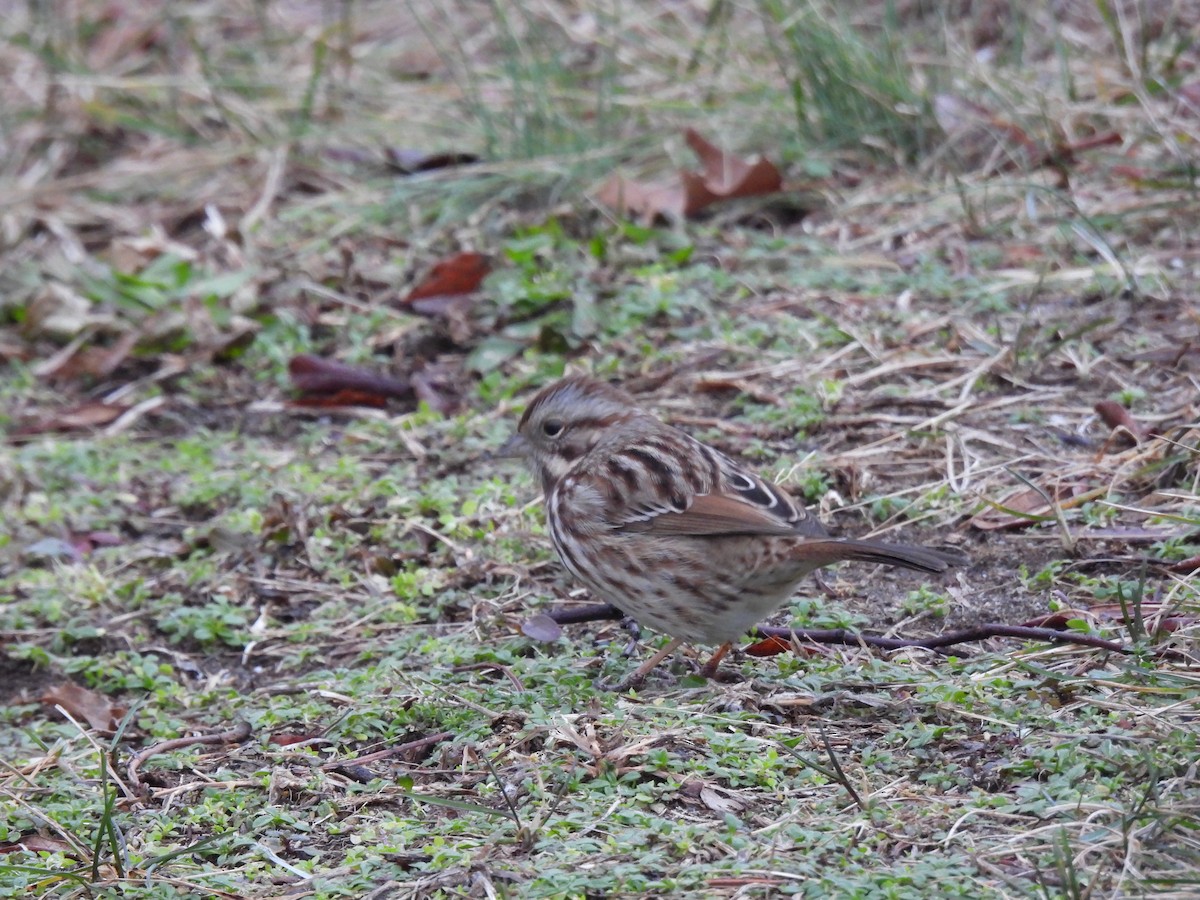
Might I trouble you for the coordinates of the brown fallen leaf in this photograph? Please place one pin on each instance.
(449, 291)
(716, 798)
(645, 200)
(1118, 418)
(771, 646)
(1185, 566)
(342, 400)
(87, 415)
(448, 282)
(1025, 506)
(91, 362)
(38, 843)
(287, 738)
(722, 176)
(726, 175)
(100, 712)
(327, 382)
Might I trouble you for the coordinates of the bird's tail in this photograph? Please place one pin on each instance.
(908, 556)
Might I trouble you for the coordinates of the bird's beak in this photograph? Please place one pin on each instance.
(515, 446)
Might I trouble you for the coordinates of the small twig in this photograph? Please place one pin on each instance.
(966, 635)
(419, 744)
(836, 774)
(603, 611)
(594, 612)
(234, 735)
(492, 667)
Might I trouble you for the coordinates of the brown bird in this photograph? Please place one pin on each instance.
(669, 530)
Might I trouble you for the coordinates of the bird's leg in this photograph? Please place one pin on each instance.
(709, 669)
(630, 624)
(640, 673)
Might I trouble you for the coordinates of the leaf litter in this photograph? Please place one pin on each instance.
(722, 176)
(926, 391)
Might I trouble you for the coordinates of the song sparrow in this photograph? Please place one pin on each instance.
(669, 530)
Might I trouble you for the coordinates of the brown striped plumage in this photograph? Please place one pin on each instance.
(670, 530)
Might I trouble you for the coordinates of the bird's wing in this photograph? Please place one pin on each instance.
(740, 503)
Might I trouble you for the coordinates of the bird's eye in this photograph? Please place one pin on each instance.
(552, 427)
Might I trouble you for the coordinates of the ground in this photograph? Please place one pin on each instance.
(266, 621)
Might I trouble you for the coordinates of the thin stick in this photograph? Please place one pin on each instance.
(234, 735)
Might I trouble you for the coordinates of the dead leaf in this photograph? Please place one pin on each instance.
(91, 362)
(1025, 506)
(1118, 418)
(1185, 566)
(327, 382)
(645, 200)
(449, 283)
(771, 646)
(343, 399)
(287, 738)
(96, 709)
(722, 176)
(86, 415)
(714, 797)
(722, 801)
(541, 628)
(38, 843)
(1183, 357)
(727, 176)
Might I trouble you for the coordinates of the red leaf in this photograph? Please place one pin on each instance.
(448, 284)
(327, 382)
(771, 646)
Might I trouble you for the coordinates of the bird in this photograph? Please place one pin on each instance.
(670, 530)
